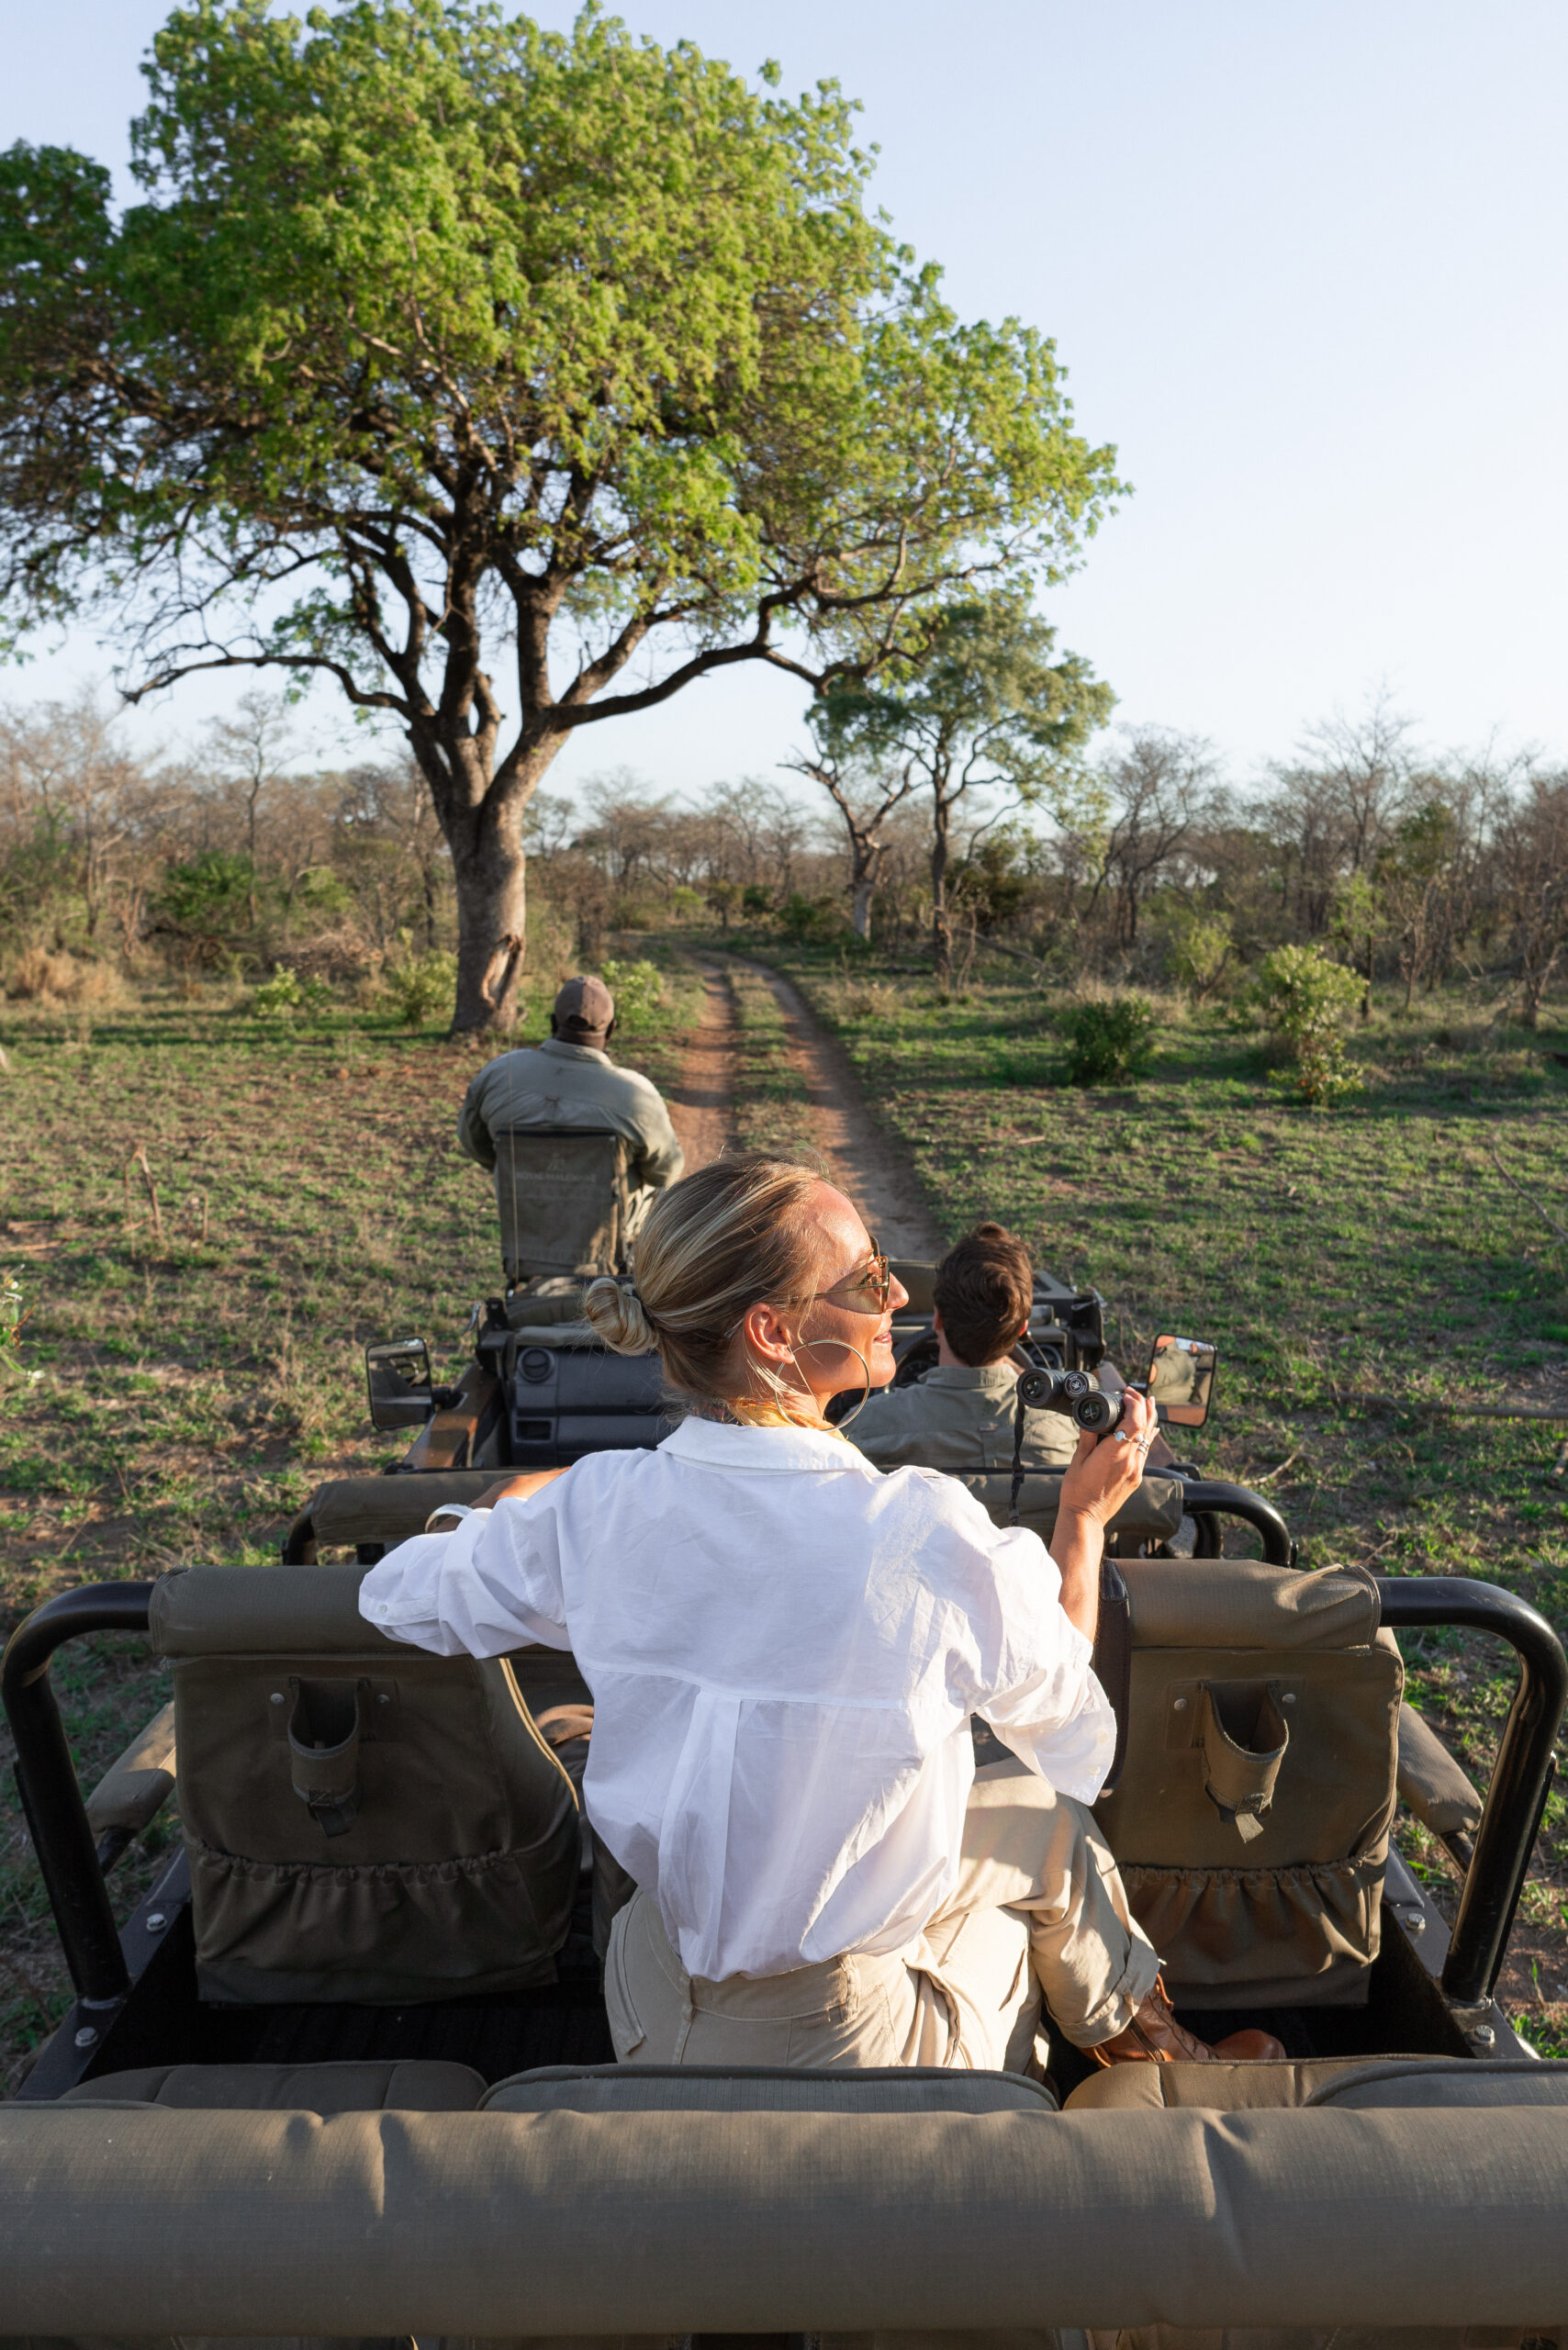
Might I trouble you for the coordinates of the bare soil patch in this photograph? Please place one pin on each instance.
(701, 1104)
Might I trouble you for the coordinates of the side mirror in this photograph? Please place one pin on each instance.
(397, 1377)
(1182, 1380)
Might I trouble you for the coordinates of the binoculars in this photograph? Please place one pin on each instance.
(1074, 1392)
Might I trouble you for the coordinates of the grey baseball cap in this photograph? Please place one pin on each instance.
(584, 1007)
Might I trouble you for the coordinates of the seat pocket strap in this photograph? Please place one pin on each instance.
(1241, 1761)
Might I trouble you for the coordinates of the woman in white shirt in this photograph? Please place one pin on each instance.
(786, 1647)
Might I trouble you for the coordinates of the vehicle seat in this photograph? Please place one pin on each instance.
(706, 2089)
(1153, 1513)
(424, 2086)
(1356, 2082)
(1251, 1819)
(363, 1822)
(563, 1201)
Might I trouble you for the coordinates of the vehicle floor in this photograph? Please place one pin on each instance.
(499, 2034)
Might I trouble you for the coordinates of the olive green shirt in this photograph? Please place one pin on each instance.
(557, 1084)
(959, 1417)
(961, 1420)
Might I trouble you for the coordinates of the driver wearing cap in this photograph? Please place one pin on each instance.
(570, 1082)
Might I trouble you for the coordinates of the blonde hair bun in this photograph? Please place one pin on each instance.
(616, 1316)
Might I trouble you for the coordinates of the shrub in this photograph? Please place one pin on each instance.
(420, 986)
(804, 917)
(756, 900)
(285, 993)
(638, 989)
(15, 1380)
(41, 977)
(208, 895)
(1201, 948)
(1305, 1000)
(46, 979)
(1109, 1040)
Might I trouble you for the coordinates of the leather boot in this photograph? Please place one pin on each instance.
(1154, 2037)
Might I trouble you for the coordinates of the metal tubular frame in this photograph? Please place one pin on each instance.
(46, 1778)
(57, 1815)
(1201, 1495)
(1522, 1778)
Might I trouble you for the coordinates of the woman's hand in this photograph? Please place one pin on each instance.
(1106, 1470)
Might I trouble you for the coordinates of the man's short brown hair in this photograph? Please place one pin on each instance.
(984, 1287)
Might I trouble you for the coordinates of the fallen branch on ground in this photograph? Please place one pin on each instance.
(1457, 1411)
(1561, 1231)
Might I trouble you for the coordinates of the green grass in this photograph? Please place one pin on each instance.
(193, 1393)
(1373, 1250)
(771, 1097)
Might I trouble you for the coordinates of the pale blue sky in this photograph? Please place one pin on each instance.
(1305, 261)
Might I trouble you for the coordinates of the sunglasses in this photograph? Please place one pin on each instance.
(868, 1291)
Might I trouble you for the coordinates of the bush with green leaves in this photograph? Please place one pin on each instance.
(15, 1380)
(805, 918)
(209, 896)
(1201, 948)
(421, 985)
(638, 989)
(1110, 1040)
(286, 995)
(1305, 1000)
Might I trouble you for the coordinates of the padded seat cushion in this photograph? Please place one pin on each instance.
(706, 2089)
(1384, 2082)
(1429, 2083)
(1223, 2088)
(388, 1509)
(418, 2088)
(1243, 1604)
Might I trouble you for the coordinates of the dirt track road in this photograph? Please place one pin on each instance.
(699, 1104)
(866, 1161)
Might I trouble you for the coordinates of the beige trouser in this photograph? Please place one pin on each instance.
(1038, 1906)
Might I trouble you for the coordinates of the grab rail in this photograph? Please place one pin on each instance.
(1521, 1780)
(46, 1780)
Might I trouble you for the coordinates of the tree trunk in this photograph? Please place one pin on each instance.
(865, 891)
(941, 913)
(490, 872)
(1536, 977)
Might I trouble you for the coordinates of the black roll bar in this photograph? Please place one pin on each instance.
(1201, 1495)
(46, 1780)
(1521, 1780)
(74, 1880)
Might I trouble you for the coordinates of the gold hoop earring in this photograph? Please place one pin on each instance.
(845, 1347)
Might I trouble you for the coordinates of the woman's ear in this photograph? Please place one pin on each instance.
(766, 1331)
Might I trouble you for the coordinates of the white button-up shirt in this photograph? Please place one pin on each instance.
(784, 1647)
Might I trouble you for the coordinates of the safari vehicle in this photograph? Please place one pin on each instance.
(345, 2073)
(541, 1390)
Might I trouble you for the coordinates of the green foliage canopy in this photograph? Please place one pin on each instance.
(434, 304)
(436, 339)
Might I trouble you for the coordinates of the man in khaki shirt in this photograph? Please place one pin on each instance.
(533, 1117)
(960, 1416)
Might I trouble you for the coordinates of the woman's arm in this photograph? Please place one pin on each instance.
(1104, 1473)
(516, 1488)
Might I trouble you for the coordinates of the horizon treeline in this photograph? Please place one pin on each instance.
(1147, 868)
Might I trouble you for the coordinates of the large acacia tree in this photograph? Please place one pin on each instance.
(511, 380)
